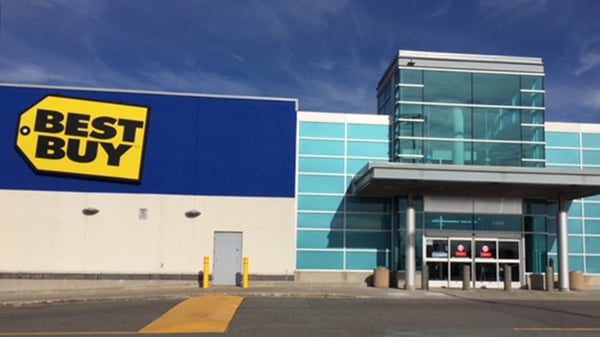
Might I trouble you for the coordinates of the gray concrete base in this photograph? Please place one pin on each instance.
(354, 278)
(357, 278)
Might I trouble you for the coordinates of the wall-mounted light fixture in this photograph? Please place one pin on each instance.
(410, 63)
(192, 213)
(90, 211)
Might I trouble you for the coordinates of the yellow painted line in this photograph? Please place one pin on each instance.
(201, 314)
(70, 333)
(559, 329)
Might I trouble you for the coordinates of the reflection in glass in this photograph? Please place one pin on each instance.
(486, 272)
(508, 250)
(448, 87)
(438, 271)
(437, 248)
(457, 270)
(496, 89)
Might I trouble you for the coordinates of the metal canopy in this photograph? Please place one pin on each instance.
(388, 179)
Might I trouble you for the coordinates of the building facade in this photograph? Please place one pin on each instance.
(457, 168)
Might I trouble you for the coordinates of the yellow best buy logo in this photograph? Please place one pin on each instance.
(82, 137)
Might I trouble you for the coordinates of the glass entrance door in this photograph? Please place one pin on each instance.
(486, 258)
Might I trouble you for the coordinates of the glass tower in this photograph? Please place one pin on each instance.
(462, 109)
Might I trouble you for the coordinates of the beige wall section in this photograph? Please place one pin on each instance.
(46, 232)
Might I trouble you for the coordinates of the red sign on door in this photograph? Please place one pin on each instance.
(485, 252)
(460, 251)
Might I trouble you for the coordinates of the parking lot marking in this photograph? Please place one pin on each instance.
(200, 314)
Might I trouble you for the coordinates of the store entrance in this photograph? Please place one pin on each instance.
(486, 257)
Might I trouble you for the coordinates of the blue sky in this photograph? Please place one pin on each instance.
(329, 54)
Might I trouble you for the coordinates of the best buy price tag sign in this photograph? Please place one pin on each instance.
(83, 137)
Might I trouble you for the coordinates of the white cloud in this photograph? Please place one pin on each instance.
(441, 10)
(587, 62)
(196, 81)
(591, 99)
(510, 9)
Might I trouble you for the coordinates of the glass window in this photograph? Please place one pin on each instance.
(592, 264)
(532, 99)
(440, 221)
(319, 239)
(374, 132)
(508, 250)
(320, 203)
(437, 248)
(575, 210)
(535, 224)
(496, 89)
(591, 157)
(535, 254)
(592, 226)
(320, 220)
(355, 165)
(460, 248)
(366, 260)
(497, 154)
(368, 240)
(592, 210)
(364, 204)
(319, 260)
(574, 226)
(532, 82)
(448, 122)
(324, 130)
(497, 222)
(500, 124)
(485, 249)
(411, 111)
(368, 149)
(532, 133)
(409, 129)
(321, 147)
(575, 244)
(449, 87)
(592, 245)
(410, 94)
(320, 165)
(533, 151)
(368, 221)
(566, 139)
(552, 244)
(411, 76)
(446, 152)
(320, 184)
(562, 156)
(411, 147)
(576, 262)
(532, 116)
(591, 140)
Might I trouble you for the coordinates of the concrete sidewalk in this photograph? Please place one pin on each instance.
(18, 292)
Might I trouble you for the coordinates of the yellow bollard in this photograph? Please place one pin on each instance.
(245, 271)
(206, 272)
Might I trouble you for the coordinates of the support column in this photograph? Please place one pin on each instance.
(563, 246)
(409, 244)
(394, 252)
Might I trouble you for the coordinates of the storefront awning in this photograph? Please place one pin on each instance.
(388, 179)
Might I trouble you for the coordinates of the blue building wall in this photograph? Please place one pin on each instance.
(195, 145)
